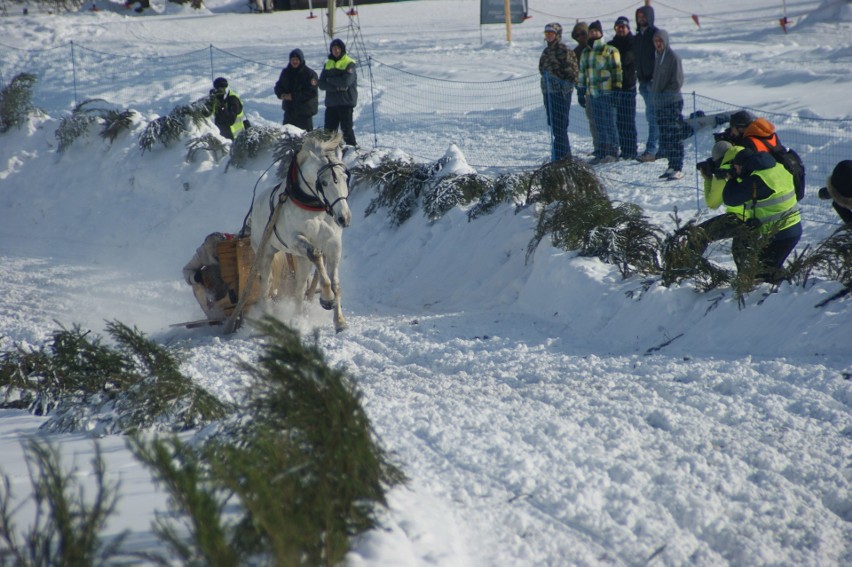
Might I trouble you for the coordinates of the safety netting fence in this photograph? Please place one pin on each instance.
(497, 125)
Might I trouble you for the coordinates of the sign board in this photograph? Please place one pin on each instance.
(494, 11)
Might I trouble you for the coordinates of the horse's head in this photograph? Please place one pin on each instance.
(321, 163)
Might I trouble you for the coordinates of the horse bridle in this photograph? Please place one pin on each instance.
(317, 189)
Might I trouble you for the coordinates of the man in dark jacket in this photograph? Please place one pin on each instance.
(558, 68)
(839, 190)
(340, 83)
(668, 104)
(764, 190)
(297, 90)
(580, 34)
(625, 98)
(645, 51)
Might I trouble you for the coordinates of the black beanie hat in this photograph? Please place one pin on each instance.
(840, 182)
(596, 25)
(742, 118)
(220, 83)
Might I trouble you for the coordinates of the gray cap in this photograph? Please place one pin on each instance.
(719, 149)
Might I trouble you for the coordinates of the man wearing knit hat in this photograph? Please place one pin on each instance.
(625, 97)
(645, 30)
(558, 68)
(580, 34)
(839, 189)
(601, 76)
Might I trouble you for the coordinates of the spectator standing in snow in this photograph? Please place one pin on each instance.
(765, 191)
(340, 82)
(264, 6)
(668, 104)
(645, 54)
(558, 68)
(580, 34)
(227, 109)
(297, 90)
(600, 76)
(839, 189)
(625, 98)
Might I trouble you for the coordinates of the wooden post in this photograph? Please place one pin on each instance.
(507, 8)
(332, 8)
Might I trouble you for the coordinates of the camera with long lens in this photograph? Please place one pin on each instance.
(724, 136)
(706, 167)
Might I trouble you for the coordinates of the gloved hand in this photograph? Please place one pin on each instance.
(581, 97)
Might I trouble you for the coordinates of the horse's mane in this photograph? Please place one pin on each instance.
(322, 141)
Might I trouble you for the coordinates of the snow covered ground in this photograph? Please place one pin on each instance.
(547, 413)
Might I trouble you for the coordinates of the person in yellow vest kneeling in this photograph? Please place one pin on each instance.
(766, 193)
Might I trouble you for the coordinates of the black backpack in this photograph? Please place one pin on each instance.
(792, 163)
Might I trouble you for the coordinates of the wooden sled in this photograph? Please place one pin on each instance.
(236, 257)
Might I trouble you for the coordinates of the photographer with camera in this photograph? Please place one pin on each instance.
(714, 170)
(839, 189)
(227, 109)
(766, 194)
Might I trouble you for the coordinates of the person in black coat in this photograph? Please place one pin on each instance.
(297, 90)
(625, 101)
(645, 55)
(838, 189)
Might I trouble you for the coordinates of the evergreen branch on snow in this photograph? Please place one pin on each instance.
(68, 527)
(209, 143)
(88, 112)
(16, 101)
(250, 142)
(507, 188)
(302, 461)
(167, 130)
(84, 385)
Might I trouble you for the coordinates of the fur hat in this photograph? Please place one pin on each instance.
(719, 149)
(579, 28)
(840, 184)
(622, 21)
(553, 27)
(339, 43)
(596, 25)
(742, 118)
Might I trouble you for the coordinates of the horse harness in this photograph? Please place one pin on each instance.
(315, 200)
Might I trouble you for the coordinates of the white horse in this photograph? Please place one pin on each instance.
(304, 216)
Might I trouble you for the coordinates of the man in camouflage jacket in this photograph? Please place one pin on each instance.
(558, 68)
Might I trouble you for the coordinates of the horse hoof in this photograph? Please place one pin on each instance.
(328, 305)
(340, 328)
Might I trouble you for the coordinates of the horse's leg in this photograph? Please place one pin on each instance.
(263, 260)
(333, 265)
(278, 272)
(312, 289)
(302, 270)
(326, 292)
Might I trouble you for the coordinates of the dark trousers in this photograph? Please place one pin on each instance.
(341, 116)
(306, 123)
(625, 122)
(771, 258)
(669, 111)
(558, 105)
